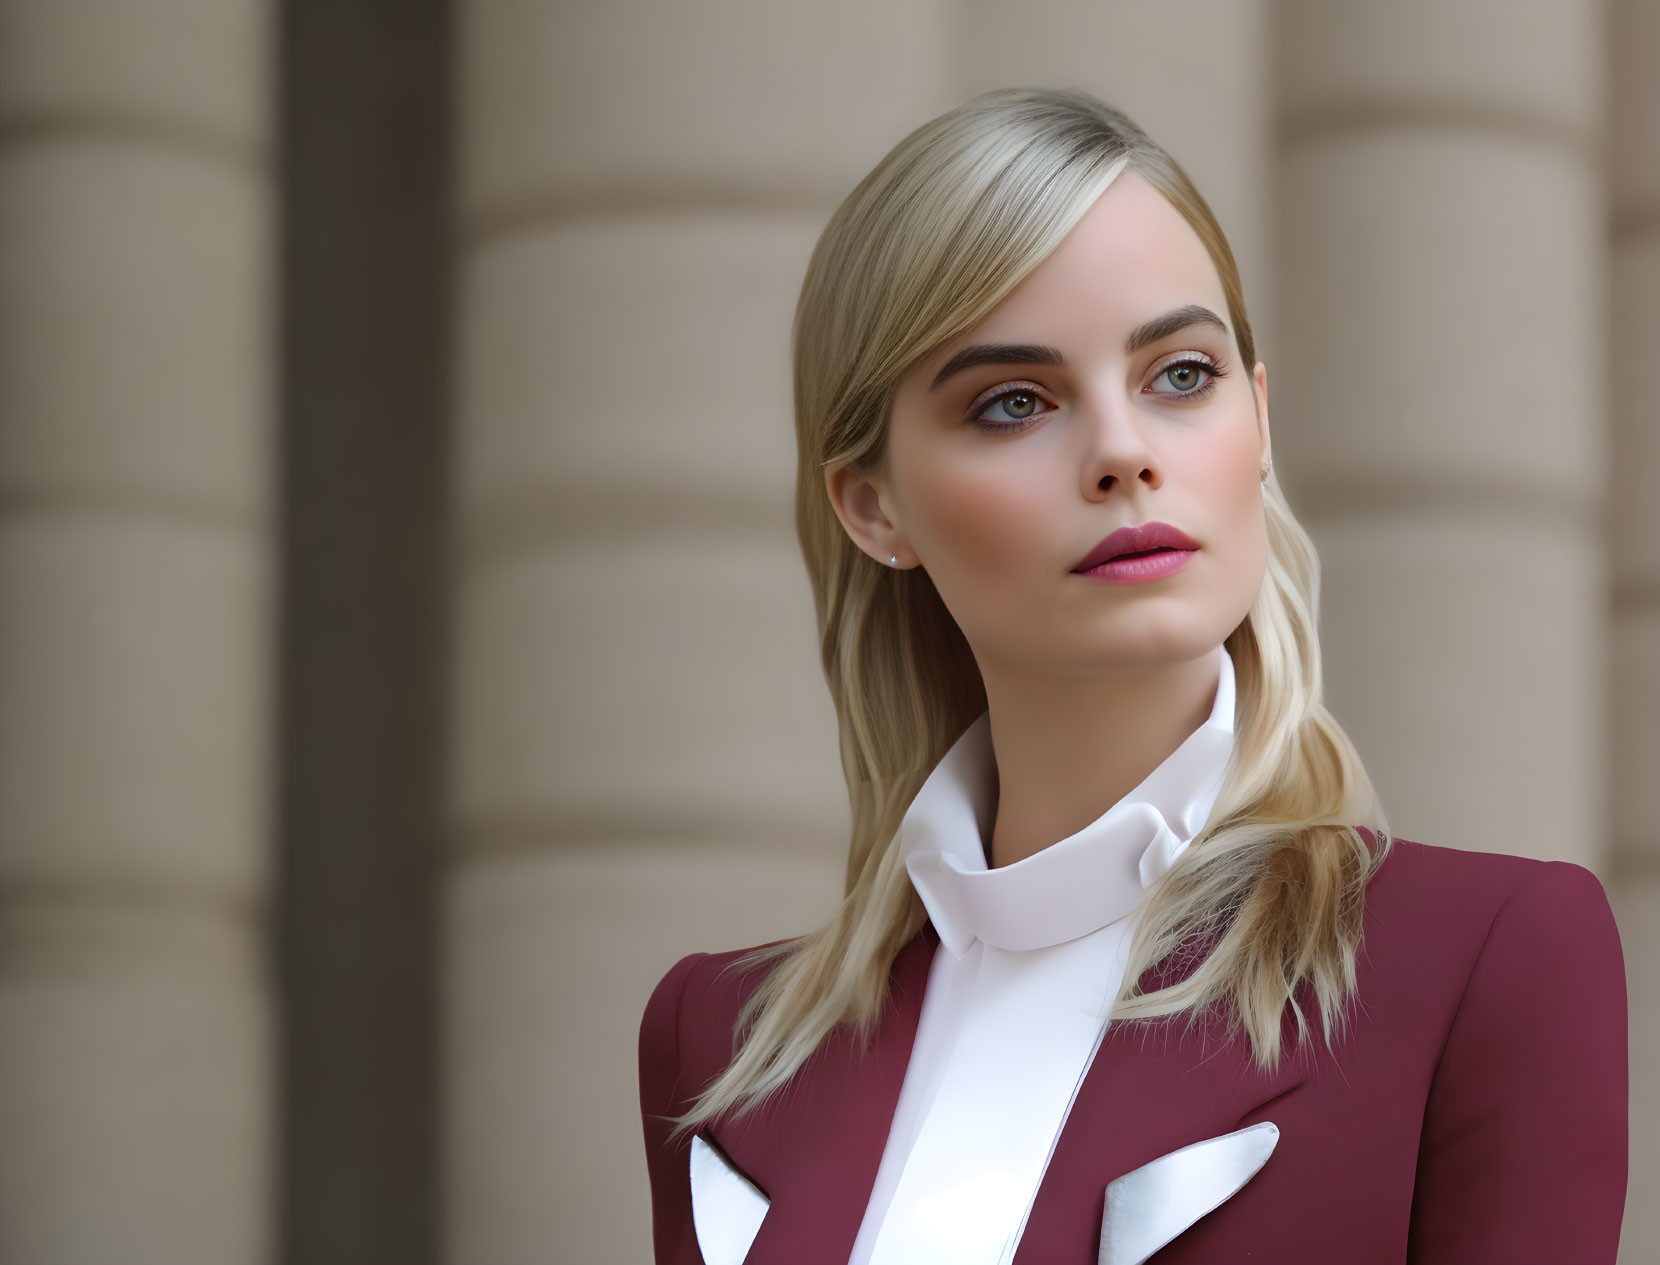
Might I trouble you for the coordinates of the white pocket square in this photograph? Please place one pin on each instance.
(727, 1208)
(1151, 1205)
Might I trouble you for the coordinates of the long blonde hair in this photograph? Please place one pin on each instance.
(1273, 886)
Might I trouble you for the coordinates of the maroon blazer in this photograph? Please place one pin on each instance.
(1475, 1114)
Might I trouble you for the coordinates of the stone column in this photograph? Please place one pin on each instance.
(136, 604)
(645, 757)
(1440, 414)
(1634, 521)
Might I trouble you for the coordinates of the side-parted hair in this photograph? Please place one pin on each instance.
(1273, 886)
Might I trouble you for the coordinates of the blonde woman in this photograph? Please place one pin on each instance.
(1069, 624)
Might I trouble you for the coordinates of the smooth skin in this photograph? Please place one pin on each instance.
(1090, 685)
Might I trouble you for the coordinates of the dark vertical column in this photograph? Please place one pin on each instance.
(365, 195)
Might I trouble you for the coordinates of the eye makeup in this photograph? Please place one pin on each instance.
(1212, 370)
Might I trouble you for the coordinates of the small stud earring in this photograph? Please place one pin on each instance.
(893, 560)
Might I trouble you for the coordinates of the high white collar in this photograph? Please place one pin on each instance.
(1072, 887)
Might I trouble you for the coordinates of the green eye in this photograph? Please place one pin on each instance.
(1010, 410)
(1186, 377)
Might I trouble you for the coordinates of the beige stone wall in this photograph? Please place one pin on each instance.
(1447, 214)
(1443, 406)
(136, 625)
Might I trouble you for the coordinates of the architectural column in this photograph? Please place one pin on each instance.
(1440, 411)
(645, 756)
(1634, 523)
(136, 604)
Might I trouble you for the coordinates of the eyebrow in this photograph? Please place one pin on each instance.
(1143, 335)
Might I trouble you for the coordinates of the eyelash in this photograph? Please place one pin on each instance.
(1214, 368)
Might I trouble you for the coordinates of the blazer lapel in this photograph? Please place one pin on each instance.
(1152, 1089)
(815, 1148)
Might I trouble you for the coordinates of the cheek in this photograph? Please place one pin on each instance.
(1226, 470)
(978, 518)
(1231, 480)
(978, 528)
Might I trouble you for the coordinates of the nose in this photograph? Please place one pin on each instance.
(1117, 449)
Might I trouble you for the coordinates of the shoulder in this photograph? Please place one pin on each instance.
(686, 1028)
(1447, 907)
(699, 982)
(1436, 876)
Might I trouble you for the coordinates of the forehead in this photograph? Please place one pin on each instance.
(1132, 256)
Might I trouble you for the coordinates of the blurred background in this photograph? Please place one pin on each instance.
(405, 655)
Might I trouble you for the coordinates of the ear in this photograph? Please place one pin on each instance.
(861, 501)
(1260, 376)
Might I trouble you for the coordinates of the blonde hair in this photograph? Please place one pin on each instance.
(1273, 886)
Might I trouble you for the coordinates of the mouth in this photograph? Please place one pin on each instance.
(1140, 566)
(1144, 553)
(1146, 540)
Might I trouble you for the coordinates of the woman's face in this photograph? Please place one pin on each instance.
(1128, 406)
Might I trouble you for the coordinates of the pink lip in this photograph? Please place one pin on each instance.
(1142, 567)
(1139, 540)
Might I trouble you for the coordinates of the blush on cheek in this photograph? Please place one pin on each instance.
(985, 527)
(1234, 471)
(982, 538)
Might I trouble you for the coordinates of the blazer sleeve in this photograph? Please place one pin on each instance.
(1523, 1154)
(674, 1238)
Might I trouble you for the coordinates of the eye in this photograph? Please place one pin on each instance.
(1019, 407)
(1187, 376)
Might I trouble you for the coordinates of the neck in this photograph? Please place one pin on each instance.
(1067, 750)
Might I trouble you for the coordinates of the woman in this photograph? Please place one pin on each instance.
(1054, 576)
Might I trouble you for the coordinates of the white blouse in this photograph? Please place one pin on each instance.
(1030, 958)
